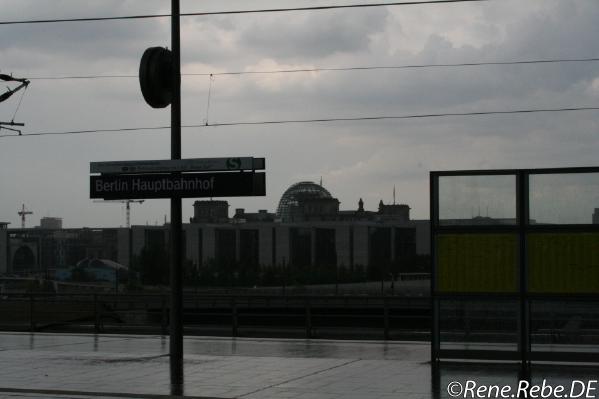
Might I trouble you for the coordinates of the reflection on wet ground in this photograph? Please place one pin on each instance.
(374, 350)
(119, 366)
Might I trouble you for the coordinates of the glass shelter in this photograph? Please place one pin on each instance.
(515, 265)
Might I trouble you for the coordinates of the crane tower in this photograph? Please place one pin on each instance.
(127, 207)
(23, 214)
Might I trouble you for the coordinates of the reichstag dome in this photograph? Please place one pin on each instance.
(296, 193)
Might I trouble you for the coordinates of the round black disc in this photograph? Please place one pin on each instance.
(155, 76)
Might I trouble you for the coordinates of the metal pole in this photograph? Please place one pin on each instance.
(176, 308)
(522, 193)
(435, 305)
(96, 315)
(31, 313)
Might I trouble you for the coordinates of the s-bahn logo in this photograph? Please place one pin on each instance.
(233, 163)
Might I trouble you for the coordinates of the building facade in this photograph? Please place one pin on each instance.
(308, 234)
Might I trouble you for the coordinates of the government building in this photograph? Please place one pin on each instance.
(308, 236)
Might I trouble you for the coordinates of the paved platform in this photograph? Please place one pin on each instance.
(109, 366)
(80, 366)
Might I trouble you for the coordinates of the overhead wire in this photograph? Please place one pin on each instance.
(321, 120)
(409, 66)
(318, 120)
(340, 69)
(234, 12)
(20, 102)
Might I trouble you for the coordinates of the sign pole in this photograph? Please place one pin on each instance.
(176, 308)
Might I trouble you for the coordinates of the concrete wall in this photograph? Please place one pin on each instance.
(423, 237)
(123, 250)
(3, 251)
(265, 245)
(138, 239)
(342, 245)
(282, 233)
(361, 245)
(265, 237)
(192, 245)
(208, 243)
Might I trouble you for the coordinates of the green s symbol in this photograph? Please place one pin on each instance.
(234, 163)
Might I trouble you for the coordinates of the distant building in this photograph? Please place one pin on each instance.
(596, 216)
(50, 223)
(401, 212)
(3, 247)
(305, 199)
(210, 212)
(42, 251)
(307, 233)
(309, 229)
(481, 221)
(241, 216)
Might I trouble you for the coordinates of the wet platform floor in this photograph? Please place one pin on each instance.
(68, 365)
(130, 366)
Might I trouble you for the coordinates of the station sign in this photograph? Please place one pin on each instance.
(185, 185)
(178, 165)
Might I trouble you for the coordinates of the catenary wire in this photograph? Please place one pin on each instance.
(340, 69)
(320, 120)
(20, 102)
(233, 12)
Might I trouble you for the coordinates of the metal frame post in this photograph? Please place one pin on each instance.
(234, 317)
(435, 330)
(386, 318)
(31, 313)
(522, 209)
(176, 308)
(96, 314)
(308, 313)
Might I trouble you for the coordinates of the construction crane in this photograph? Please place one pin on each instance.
(127, 207)
(23, 214)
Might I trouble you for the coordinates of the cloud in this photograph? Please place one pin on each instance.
(309, 36)
(356, 159)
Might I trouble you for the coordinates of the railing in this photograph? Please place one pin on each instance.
(414, 276)
(220, 314)
(465, 323)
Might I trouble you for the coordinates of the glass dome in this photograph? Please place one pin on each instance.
(296, 193)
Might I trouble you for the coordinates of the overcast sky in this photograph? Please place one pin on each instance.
(50, 174)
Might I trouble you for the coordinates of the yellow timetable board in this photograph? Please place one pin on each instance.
(563, 263)
(477, 263)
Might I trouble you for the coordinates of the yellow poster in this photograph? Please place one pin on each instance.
(477, 263)
(563, 262)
